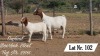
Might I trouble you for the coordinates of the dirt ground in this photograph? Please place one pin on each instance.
(56, 46)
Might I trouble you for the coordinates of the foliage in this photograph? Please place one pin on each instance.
(84, 4)
(27, 9)
(60, 5)
(33, 1)
(52, 4)
(15, 4)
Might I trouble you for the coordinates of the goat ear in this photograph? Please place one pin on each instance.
(26, 21)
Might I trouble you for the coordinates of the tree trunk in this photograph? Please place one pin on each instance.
(91, 20)
(2, 18)
(22, 8)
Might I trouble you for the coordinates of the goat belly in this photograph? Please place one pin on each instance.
(56, 26)
(34, 27)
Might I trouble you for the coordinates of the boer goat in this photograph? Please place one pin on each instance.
(35, 27)
(58, 22)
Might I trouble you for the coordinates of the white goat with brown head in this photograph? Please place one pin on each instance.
(35, 27)
(58, 22)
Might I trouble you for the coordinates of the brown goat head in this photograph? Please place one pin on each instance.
(24, 21)
(38, 12)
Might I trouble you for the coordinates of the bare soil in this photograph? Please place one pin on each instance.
(56, 46)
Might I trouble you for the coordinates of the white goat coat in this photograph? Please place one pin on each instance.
(55, 22)
(37, 27)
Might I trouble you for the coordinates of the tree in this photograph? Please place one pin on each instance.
(91, 20)
(16, 5)
(53, 4)
(2, 18)
(33, 1)
(97, 4)
(83, 4)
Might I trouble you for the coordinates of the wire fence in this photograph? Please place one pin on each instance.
(77, 21)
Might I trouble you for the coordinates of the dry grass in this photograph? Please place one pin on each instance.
(75, 22)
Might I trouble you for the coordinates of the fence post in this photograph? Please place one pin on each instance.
(91, 20)
(22, 16)
(2, 19)
(22, 8)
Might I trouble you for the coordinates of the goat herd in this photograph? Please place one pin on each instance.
(48, 24)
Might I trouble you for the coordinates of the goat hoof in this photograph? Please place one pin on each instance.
(62, 37)
(28, 41)
(42, 40)
(51, 38)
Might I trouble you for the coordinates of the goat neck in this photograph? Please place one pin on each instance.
(43, 16)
